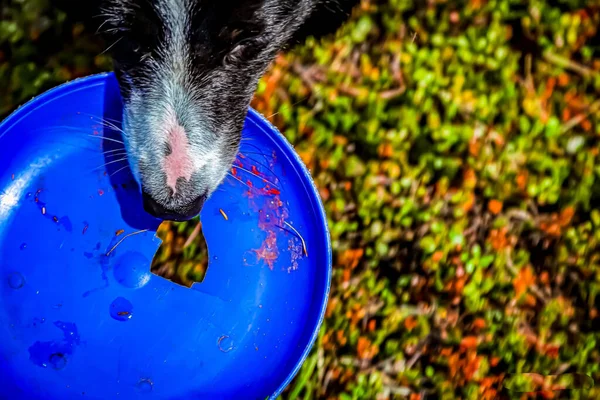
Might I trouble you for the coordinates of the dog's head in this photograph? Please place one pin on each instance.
(187, 70)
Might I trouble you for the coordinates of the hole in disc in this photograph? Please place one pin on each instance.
(183, 256)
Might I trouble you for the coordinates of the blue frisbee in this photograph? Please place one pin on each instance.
(82, 316)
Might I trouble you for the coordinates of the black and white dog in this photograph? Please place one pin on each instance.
(187, 71)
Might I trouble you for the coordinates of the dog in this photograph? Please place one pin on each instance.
(187, 71)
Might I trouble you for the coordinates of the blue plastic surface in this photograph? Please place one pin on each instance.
(78, 323)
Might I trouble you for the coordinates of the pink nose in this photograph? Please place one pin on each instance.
(178, 163)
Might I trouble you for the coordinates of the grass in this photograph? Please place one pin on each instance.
(455, 146)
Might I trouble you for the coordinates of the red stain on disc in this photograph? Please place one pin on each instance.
(271, 191)
(271, 212)
(268, 251)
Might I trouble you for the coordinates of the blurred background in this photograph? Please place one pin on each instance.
(455, 145)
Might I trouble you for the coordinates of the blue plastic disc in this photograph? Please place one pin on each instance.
(82, 316)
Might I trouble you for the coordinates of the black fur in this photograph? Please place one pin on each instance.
(222, 32)
(202, 59)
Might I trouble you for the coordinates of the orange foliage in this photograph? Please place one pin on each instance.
(355, 314)
(554, 225)
(498, 238)
(523, 280)
(552, 351)
(446, 352)
(469, 178)
(522, 180)
(476, 4)
(341, 339)
(385, 150)
(479, 323)
(474, 147)
(563, 79)
(410, 323)
(372, 325)
(350, 258)
(463, 366)
(324, 192)
(346, 275)
(365, 349)
(331, 305)
(486, 387)
(495, 206)
(468, 342)
(468, 205)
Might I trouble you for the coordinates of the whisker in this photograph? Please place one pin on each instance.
(239, 180)
(253, 152)
(79, 128)
(106, 122)
(111, 126)
(119, 170)
(256, 175)
(110, 162)
(124, 237)
(257, 148)
(115, 150)
(76, 129)
(304, 248)
(258, 151)
(100, 118)
(117, 154)
(288, 106)
(314, 93)
(106, 138)
(262, 165)
(111, 46)
(61, 127)
(101, 25)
